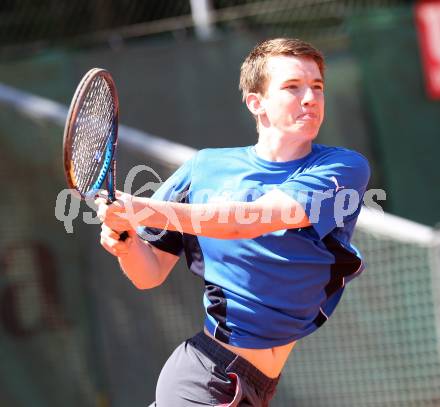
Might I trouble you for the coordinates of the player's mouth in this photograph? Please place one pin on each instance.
(307, 116)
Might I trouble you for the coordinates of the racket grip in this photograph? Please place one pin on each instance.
(123, 236)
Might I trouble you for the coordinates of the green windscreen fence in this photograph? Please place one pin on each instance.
(46, 341)
(406, 123)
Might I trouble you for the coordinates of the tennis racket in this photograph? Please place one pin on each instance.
(91, 136)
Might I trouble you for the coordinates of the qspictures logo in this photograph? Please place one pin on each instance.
(68, 202)
(338, 203)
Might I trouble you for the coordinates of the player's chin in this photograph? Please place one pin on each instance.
(306, 133)
(309, 127)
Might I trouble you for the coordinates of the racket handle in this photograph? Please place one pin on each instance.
(123, 236)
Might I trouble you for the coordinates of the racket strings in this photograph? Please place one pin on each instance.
(100, 143)
(88, 123)
(92, 130)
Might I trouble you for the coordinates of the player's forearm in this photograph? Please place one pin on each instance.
(226, 220)
(141, 265)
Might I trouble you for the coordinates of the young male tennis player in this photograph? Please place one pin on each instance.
(267, 227)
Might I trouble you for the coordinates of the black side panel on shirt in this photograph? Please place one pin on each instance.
(320, 319)
(170, 241)
(346, 263)
(217, 310)
(194, 254)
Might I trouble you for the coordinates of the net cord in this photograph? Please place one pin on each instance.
(137, 141)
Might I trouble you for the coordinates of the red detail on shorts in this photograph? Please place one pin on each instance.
(238, 391)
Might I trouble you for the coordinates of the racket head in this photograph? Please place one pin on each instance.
(91, 134)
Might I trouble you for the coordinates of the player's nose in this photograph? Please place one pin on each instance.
(309, 97)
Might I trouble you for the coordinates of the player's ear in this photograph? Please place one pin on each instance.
(254, 104)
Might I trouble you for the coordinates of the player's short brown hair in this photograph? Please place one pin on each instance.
(253, 72)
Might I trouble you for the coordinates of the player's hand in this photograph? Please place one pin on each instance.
(129, 212)
(111, 242)
(121, 215)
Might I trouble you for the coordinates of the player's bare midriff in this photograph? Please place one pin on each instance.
(270, 361)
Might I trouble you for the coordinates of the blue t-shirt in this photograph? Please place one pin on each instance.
(281, 286)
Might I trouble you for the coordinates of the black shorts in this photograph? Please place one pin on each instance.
(201, 372)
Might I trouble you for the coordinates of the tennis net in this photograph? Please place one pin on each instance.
(66, 308)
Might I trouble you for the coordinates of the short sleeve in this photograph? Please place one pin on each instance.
(331, 190)
(174, 189)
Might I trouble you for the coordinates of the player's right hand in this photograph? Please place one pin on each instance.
(110, 241)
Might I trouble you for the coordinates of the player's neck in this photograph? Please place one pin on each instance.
(279, 149)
